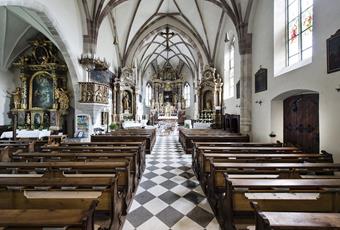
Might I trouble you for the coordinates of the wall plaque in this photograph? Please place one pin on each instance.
(261, 80)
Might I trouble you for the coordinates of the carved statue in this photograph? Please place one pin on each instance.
(84, 94)
(208, 105)
(16, 96)
(126, 102)
(62, 98)
(99, 94)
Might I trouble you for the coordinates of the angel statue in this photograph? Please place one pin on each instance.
(16, 96)
(62, 98)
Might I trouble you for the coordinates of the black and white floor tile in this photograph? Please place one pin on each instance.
(169, 195)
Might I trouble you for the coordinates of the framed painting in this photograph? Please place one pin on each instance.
(238, 92)
(333, 53)
(83, 125)
(42, 91)
(261, 80)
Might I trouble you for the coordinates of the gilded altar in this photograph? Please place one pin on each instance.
(210, 96)
(42, 100)
(124, 95)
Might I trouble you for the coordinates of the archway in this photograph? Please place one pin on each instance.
(40, 15)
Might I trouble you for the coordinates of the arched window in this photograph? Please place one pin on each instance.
(229, 69)
(148, 94)
(187, 94)
(299, 24)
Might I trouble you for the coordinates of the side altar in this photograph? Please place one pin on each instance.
(41, 100)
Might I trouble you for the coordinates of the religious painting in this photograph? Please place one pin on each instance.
(42, 95)
(83, 126)
(261, 80)
(208, 99)
(53, 118)
(238, 91)
(21, 119)
(333, 53)
(101, 76)
(46, 119)
(37, 120)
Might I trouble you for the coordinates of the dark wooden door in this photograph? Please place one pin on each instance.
(301, 121)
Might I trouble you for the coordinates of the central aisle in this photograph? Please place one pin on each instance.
(169, 195)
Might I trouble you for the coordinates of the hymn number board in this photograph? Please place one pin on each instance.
(261, 80)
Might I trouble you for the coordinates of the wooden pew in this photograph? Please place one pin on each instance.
(216, 180)
(61, 192)
(320, 195)
(188, 136)
(197, 154)
(140, 144)
(56, 218)
(206, 159)
(135, 135)
(202, 145)
(121, 168)
(297, 221)
(132, 157)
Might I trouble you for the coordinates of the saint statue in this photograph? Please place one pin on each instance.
(126, 102)
(62, 98)
(208, 105)
(16, 96)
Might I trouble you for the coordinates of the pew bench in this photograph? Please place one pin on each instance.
(121, 169)
(40, 218)
(61, 192)
(297, 221)
(205, 159)
(136, 168)
(320, 195)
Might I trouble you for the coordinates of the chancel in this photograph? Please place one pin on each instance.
(169, 114)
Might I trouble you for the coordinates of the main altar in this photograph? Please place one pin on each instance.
(168, 103)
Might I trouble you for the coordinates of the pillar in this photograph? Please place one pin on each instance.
(245, 45)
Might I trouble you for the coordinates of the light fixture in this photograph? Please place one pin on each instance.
(338, 88)
(259, 102)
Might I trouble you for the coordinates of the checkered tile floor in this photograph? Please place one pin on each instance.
(169, 195)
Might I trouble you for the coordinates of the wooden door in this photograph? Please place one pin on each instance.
(301, 121)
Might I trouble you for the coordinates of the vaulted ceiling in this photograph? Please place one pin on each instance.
(18, 26)
(196, 25)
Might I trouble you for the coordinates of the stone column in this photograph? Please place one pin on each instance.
(245, 45)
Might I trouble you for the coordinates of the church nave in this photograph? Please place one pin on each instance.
(169, 195)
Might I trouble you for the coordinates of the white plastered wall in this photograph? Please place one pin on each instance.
(229, 104)
(311, 77)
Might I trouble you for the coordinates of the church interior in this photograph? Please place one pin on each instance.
(170, 114)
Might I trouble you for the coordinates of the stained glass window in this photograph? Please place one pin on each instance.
(187, 94)
(299, 30)
(148, 94)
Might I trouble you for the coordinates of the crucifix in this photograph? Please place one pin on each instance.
(167, 35)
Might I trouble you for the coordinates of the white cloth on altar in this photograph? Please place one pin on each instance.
(38, 134)
(167, 118)
(202, 125)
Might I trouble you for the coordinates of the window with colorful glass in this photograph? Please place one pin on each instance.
(299, 30)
